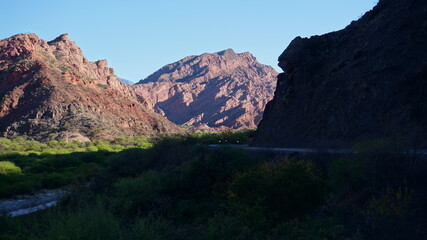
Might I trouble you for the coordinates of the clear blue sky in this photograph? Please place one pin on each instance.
(139, 37)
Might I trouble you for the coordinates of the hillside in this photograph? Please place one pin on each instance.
(49, 89)
(224, 89)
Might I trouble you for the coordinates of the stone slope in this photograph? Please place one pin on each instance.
(366, 81)
(223, 89)
(50, 88)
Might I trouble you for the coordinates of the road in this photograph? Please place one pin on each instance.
(297, 150)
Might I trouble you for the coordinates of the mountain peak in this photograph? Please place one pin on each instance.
(46, 87)
(61, 38)
(218, 89)
(226, 52)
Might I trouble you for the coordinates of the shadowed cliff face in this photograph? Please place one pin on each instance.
(49, 88)
(223, 89)
(366, 81)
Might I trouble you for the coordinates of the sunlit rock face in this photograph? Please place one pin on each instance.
(50, 88)
(224, 89)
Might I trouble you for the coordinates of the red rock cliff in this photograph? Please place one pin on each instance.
(50, 87)
(220, 89)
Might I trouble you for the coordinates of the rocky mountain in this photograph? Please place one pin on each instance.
(366, 81)
(51, 89)
(224, 89)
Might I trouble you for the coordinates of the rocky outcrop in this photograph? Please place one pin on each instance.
(223, 89)
(366, 81)
(49, 87)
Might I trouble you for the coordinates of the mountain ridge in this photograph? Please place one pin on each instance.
(223, 89)
(51, 88)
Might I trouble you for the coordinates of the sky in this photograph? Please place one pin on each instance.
(139, 37)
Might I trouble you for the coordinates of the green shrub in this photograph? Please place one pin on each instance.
(91, 149)
(281, 191)
(152, 228)
(347, 174)
(9, 168)
(223, 227)
(85, 222)
(391, 202)
(141, 194)
(310, 230)
(377, 164)
(54, 180)
(238, 137)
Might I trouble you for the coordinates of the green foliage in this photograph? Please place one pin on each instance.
(238, 137)
(310, 230)
(224, 227)
(377, 163)
(88, 218)
(9, 168)
(346, 174)
(282, 191)
(135, 195)
(28, 165)
(177, 188)
(391, 202)
(152, 228)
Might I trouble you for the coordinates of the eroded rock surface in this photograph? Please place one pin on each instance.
(224, 89)
(49, 87)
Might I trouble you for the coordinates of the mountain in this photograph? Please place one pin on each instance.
(366, 81)
(128, 82)
(224, 89)
(50, 89)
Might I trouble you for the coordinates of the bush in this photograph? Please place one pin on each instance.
(223, 227)
(281, 191)
(85, 222)
(310, 230)
(346, 174)
(136, 195)
(376, 164)
(9, 168)
(152, 228)
(391, 202)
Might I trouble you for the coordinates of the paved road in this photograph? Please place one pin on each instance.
(297, 150)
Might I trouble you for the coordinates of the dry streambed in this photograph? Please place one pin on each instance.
(25, 204)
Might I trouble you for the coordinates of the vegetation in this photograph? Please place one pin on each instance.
(182, 189)
(9, 168)
(27, 165)
(239, 137)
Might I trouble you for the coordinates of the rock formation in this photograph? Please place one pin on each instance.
(364, 82)
(223, 89)
(50, 88)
